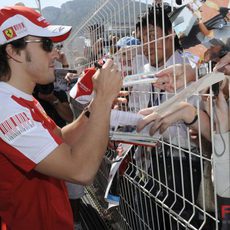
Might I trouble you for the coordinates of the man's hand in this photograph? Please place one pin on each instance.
(212, 54)
(174, 77)
(223, 65)
(107, 81)
(121, 100)
(222, 114)
(181, 111)
(69, 77)
(61, 57)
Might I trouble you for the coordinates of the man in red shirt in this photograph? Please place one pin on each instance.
(36, 156)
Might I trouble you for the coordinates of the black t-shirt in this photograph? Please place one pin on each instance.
(50, 109)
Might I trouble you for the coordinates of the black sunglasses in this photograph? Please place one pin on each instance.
(47, 43)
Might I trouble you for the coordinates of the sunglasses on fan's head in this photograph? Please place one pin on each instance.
(47, 43)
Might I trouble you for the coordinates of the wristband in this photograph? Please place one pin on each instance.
(86, 112)
(193, 121)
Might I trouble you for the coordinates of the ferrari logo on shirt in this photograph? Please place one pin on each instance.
(9, 33)
(15, 126)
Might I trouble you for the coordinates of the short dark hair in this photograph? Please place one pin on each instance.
(160, 12)
(5, 71)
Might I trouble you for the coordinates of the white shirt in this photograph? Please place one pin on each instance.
(25, 129)
(142, 94)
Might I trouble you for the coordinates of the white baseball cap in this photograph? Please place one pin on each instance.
(19, 21)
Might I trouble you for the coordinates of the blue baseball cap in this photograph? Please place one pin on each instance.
(127, 41)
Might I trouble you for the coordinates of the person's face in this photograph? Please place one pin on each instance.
(156, 48)
(39, 60)
(124, 58)
(126, 61)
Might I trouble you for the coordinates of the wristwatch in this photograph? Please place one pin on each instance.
(194, 119)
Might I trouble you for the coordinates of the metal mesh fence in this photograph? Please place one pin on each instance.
(170, 185)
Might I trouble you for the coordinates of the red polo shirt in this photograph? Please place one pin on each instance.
(28, 199)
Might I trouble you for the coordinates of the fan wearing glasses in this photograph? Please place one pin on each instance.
(36, 156)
